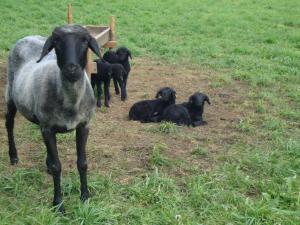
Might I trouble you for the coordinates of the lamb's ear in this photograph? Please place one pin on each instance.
(129, 54)
(48, 46)
(93, 45)
(191, 100)
(207, 99)
(174, 95)
(159, 93)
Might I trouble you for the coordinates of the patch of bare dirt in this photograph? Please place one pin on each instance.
(124, 147)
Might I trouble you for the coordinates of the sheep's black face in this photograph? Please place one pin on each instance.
(198, 99)
(167, 94)
(71, 51)
(123, 54)
(71, 43)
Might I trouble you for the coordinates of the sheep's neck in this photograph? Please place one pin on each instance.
(72, 92)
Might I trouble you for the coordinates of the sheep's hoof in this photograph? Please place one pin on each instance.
(98, 104)
(60, 208)
(123, 98)
(14, 161)
(84, 196)
(107, 105)
(49, 172)
(117, 92)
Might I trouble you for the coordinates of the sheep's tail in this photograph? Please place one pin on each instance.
(10, 71)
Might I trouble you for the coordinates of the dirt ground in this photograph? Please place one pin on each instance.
(122, 147)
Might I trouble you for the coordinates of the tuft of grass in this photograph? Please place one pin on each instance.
(157, 158)
(200, 151)
(245, 125)
(168, 128)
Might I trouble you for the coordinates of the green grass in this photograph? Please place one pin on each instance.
(257, 180)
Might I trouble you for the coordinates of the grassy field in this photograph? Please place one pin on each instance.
(242, 168)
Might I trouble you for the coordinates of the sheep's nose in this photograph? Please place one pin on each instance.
(72, 68)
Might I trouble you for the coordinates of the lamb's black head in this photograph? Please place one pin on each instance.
(198, 99)
(111, 57)
(123, 54)
(104, 67)
(167, 94)
(71, 43)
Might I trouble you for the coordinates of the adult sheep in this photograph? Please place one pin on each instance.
(54, 93)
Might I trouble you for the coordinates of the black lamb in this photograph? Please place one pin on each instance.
(187, 113)
(151, 110)
(121, 55)
(106, 71)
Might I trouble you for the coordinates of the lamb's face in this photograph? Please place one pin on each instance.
(123, 54)
(71, 43)
(198, 99)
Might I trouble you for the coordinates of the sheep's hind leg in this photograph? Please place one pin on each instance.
(49, 137)
(82, 133)
(9, 123)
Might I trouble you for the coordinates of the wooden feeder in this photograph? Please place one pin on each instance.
(104, 35)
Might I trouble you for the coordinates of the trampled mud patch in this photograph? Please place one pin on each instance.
(122, 147)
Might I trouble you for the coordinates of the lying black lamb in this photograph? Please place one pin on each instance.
(187, 113)
(151, 110)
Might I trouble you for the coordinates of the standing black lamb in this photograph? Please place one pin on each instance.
(121, 56)
(106, 71)
(151, 110)
(187, 113)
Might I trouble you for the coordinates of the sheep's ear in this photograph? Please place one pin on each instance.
(207, 99)
(93, 45)
(48, 46)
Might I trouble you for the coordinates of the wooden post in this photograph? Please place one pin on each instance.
(89, 63)
(112, 26)
(69, 15)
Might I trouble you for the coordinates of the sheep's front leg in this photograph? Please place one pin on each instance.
(117, 91)
(49, 137)
(9, 123)
(82, 133)
(106, 92)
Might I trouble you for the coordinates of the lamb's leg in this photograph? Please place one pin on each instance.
(125, 76)
(117, 91)
(106, 93)
(93, 83)
(199, 123)
(99, 93)
(123, 90)
(81, 139)
(9, 123)
(55, 167)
